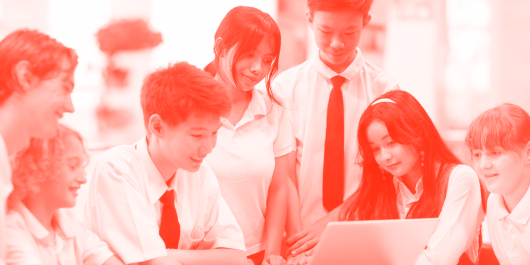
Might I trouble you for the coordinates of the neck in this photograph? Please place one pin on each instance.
(339, 68)
(513, 198)
(164, 166)
(41, 209)
(235, 95)
(13, 127)
(412, 177)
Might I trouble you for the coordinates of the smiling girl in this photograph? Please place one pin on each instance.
(254, 140)
(46, 178)
(408, 172)
(499, 140)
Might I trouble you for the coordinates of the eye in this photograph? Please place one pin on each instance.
(495, 153)
(476, 155)
(268, 61)
(375, 149)
(250, 55)
(196, 135)
(391, 143)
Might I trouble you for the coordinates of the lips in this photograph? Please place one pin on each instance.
(250, 78)
(490, 175)
(197, 159)
(392, 166)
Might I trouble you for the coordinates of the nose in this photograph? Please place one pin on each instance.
(69, 106)
(336, 43)
(255, 67)
(385, 155)
(207, 146)
(485, 163)
(81, 178)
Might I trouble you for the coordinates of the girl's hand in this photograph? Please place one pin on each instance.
(273, 260)
(302, 259)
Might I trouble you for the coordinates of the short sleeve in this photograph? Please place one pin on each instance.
(94, 250)
(284, 140)
(20, 248)
(222, 229)
(118, 211)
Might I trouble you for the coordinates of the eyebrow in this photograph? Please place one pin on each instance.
(382, 138)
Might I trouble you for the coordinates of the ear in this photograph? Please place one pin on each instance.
(526, 153)
(366, 20)
(24, 76)
(309, 18)
(155, 127)
(219, 47)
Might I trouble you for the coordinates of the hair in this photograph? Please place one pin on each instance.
(176, 91)
(408, 124)
(43, 53)
(506, 126)
(246, 27)
(39, 162)
(361, 6)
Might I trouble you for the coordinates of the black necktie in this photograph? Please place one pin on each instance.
(333, 175)
(169, 224)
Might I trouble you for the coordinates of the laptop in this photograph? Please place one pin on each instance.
(384, 242)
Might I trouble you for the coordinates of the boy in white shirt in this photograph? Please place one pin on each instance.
(154, 202)
(326, 96)
(36, 80)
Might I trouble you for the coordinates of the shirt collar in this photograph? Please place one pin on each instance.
(34, 226)
(419, 185)
(157, 185)
(348, 73)
(520, 213)
(65, 223)
(258, 104)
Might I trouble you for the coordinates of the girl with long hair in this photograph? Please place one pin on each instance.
(409, 172)
(46, 178)
(255, 138)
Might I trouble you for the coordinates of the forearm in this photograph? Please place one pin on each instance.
(275, 219)
(210, 256)
(294, 220)
(113, 261)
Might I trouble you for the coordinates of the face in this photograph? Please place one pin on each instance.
(255, 65)
(187, 144)
(48, 100)
(503, 171)
(393, 157)
(337, 35)
(62, 191)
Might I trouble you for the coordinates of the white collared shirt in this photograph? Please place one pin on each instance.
(5, 189)
(243, 162)
(306, 89)
(32, 244)
(460, 218)
(123, 206)
(510, 232)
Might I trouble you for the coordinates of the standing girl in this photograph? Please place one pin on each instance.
(408, 172)
(250, 159)
(499, 140)
(46, 178)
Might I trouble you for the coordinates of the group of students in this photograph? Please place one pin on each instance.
(332, 139)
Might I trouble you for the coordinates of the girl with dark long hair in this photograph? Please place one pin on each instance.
(254, 140)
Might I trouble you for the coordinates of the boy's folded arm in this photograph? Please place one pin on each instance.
(219, 256)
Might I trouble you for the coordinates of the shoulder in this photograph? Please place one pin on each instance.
(15, 221)
(379, 79)
(120, 160)
(291, 76)
(463, 175)
(495, 202)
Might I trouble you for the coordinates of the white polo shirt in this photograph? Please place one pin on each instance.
(460, 218)
(243, 162)
(32, 244)
(123, 206)
(510, 232)
(306, 89)
(5, 189)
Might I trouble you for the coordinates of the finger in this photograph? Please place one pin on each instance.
(295, 238)
(305, 247)
(298, 244)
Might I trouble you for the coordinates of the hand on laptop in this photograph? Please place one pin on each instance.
(307, 238)
(273, 260)
(302, 259)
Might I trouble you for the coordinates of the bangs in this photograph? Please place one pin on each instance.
(252, 36)
(491, 130)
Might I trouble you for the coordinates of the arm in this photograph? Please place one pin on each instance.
(220, 256)
(276, 207)
(157, 261)
(294, 220)
(113, 261)
(458, 219)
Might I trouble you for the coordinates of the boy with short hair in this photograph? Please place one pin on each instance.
(332, 88)
(36, 80)
(154, 201)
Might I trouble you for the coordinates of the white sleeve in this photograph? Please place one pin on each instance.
(458, 219)
(95, 251)
(20, 248)
(283, 144)
(118, 212)
(221, 227)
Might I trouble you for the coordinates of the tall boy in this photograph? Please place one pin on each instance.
(154, 202)
(326, 96)
(36, 80)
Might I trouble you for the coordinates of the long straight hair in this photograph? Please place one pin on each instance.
(408, 124)
(246, 27)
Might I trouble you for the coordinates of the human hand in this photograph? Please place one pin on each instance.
(302, 259)
(306, 239)
(273, 260)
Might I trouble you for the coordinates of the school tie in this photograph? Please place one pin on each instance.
(333, 175)
(169, 224)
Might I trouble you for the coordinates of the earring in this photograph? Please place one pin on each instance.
(382, 172)
(422, 158)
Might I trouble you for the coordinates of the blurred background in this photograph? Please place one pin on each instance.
(457, 57)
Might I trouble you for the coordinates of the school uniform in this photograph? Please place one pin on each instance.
(244, 160)
(124, 206)
(509, 232)
(460, 217)
(32, 244)
(5, 189)
(307, 90)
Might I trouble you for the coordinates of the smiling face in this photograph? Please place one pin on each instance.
(255, 65)
(187, 144)
(337, 35)
(503, 171)
(48, 100)
(61, 192)
(393, 157)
